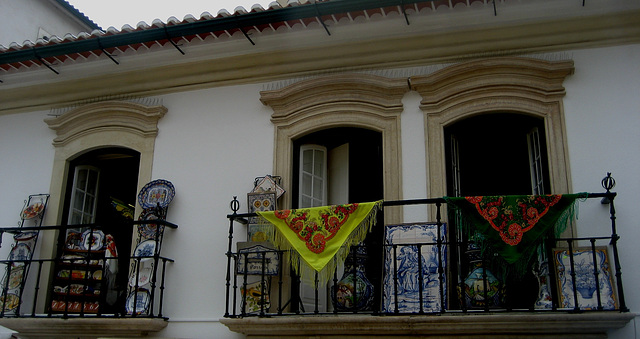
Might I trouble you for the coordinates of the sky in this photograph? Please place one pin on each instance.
(117, 13)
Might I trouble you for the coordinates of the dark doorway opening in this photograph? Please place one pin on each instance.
(111, 175)
(496, 154)
(365, 184)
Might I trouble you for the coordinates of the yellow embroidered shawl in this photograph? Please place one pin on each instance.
(319, 234)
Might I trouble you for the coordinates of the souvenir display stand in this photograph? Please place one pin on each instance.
(154, 198)
(78, 279)
(258, 260)
(19, 260)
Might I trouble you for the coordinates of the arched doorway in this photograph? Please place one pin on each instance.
(101, 190)
(337, 166)
(496, 154)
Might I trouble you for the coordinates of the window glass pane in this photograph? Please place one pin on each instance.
(76, 218)
(88, 205)
(306, 184)
(318, 163)
(307, 161)
(306, 202)
(92, 182)
(78, 200)
(316, 203)
(312, 176)
(318, 189)
(81, 182)
(82, 209)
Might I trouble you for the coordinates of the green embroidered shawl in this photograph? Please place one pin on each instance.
(514, 226)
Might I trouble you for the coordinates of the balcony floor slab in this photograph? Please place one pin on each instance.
(513, 325)
(84, 328)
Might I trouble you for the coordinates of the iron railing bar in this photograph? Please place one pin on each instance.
(573, 277)
(596, 274)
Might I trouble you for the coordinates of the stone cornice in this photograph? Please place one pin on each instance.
(403, 51)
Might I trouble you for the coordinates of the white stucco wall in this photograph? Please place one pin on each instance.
(27, 160)
(21, 20)
(212, 143)
(602, 110)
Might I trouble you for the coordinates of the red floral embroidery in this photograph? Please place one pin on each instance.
(513, 224)
(316, 233)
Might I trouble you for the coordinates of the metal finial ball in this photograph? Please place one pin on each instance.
(235, 204)
(608, 182)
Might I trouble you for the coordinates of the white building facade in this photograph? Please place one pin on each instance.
(232, 106)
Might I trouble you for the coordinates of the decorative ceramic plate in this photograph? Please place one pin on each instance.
(92, 240)
(157, 192)
(268, 184)
(144, 276)
(138, 301)
(146, 248)
(77, 289)
(25, 236)
(73, 259)
(97, 275)
(32, 210)
(149, 231)
(77, 274)
(20, 252)
(15, 279)
(12, 301)
(60, 289)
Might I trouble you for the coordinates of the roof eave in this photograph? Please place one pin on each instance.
(78, 15)
(311, 10)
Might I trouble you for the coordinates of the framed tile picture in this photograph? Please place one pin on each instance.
(253, 253)
(255, 297)
(263, 201)
(416, 254)
(268, 184)
(258, 232)
(585, 264)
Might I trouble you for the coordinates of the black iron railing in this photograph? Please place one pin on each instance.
(449, 274)
(94, 279)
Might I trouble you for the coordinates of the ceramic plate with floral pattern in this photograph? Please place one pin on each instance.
(157, 192)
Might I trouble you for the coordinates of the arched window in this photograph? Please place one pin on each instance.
(358, 101)
(512, 85)
(334, 120)
(103, 152)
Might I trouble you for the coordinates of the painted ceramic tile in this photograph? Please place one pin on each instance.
(585, 279)
(253, 296)
(258, 232)
(252, 253)
(406, 236)
(265, 201)
(268, 184)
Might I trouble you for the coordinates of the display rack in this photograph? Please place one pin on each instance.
(78, 279)
(19, 259)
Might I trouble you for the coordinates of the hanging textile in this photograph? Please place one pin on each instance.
(318, 234)
(513, 226)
